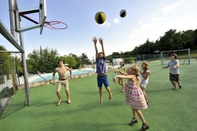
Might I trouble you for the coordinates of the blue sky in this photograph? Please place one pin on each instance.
(146, 19)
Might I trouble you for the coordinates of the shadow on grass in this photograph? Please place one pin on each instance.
(159, 90)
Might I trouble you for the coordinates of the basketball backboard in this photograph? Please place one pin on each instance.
(42, 14)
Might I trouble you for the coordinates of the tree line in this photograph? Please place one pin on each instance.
(45, 60)
(42, 60)
(171, 40)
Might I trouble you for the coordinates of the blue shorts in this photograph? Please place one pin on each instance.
(102, 80)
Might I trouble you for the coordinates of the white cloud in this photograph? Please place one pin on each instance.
(169, 8)
(184, 23)
(151, 31)
(145, 27)
(108, 24)
(116, 20)
(174, 16)
(159, 19)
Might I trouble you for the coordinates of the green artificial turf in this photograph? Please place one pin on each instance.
(168, 110)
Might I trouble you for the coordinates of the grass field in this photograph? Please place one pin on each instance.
(168, 110)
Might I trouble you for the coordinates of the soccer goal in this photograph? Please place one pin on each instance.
(183, 56)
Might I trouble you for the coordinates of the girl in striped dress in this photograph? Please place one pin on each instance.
(134, 95)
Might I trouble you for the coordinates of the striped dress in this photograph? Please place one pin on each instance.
(134, 96)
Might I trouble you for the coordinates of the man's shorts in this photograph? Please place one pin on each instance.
(102, 80)
(64, 83)
(174, 77)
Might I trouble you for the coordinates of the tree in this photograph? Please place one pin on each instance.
(43, 60)
(116, 55)
(84, 59)
(171, 40)
(18, 65)
(128, 53)
(5, 61)
(109, 57)
(77, 60)
(68, 60)
(195, 39)
(188, 38)
(8, 66)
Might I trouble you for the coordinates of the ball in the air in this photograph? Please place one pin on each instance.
(100, 17)
(123, 13)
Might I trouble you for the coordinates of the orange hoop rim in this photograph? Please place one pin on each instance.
(50, 25)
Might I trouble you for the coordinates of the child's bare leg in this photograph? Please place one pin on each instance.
(140, 115)
(178, 82)
(119, 81)
(143, 90)
(145, 96)
(174, 84)
(109, 92)
(134, 119)
(100, 93)
(122, 83)
(134, 113)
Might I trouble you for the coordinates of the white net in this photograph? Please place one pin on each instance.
(11, 97)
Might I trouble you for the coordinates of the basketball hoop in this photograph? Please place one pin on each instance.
(61, 25)
(54, 25)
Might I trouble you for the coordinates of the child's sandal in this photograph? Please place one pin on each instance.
(133, 121)
(144, 127)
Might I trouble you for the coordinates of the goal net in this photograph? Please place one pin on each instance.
(183, 56)
(12, 97)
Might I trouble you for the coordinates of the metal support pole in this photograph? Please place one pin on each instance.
(189, 55)
(24, 66)
(161, 55)
(14, 75)
(4, 32)
(143, 57)
(12, 9)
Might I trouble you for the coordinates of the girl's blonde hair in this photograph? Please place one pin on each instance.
(135, 69)
(146, 66)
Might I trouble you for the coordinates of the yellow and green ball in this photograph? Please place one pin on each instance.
(100, 17)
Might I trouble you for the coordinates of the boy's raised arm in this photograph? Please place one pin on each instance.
(96, 50)
(101, 42)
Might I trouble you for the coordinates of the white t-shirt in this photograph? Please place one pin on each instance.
(144, 81)
(171, 64)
